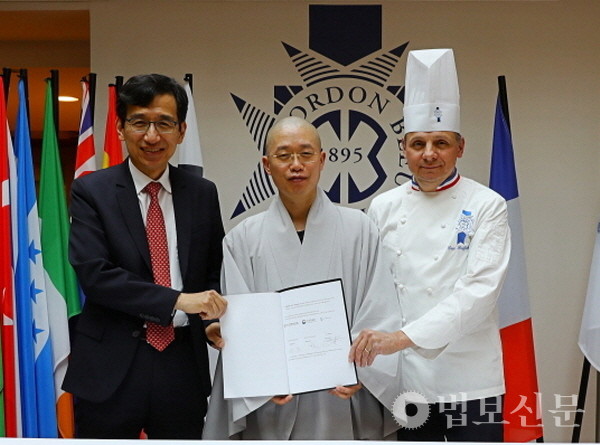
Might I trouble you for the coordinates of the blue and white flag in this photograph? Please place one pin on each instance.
(38, 409)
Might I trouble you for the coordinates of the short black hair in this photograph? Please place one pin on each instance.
(142, 89)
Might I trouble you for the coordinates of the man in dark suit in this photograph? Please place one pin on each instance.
(139, 358)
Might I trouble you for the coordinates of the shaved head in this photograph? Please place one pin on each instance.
(287, 124)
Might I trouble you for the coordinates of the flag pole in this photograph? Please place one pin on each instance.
(597, 406)
(54, 83)
(504, 99)
(189, 78)
(585, 377)
(92, 89)
(118, 84)
(6, 76)
(189, 153)
(23, 76)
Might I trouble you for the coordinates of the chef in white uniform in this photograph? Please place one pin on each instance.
(447, 241)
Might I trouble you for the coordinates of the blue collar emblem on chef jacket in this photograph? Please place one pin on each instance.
(464, 231)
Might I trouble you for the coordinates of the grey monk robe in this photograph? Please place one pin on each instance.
(264, 253)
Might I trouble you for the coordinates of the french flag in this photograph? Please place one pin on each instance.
(522, 416)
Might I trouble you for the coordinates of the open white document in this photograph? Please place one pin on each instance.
(287, 342)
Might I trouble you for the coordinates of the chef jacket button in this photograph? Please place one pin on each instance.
(403, 320)
(435, 258)
(404, 352)
(454, 196)
(403, 221)
(409, 192)
(136, 334)
(398, 252)
(443, 226)
(429, 290)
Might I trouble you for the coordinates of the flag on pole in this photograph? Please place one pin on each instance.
(61, 283)
(9, 382)
(9, 308)
(521, 402)
(589, 334)
(85, 161)
(113, 151)
(38, 411)
(190, 152)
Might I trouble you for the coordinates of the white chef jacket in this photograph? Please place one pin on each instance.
(448, 252)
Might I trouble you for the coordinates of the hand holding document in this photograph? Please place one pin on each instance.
(287, 342)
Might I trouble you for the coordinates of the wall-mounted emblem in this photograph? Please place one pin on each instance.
(345, 90)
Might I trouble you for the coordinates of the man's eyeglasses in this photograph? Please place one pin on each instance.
(304, 157)
(142, 126)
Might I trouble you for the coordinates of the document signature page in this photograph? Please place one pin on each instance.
(317, 339)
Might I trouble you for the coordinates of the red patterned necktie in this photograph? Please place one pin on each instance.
(156, 335)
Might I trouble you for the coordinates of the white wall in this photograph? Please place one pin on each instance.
(548, 51)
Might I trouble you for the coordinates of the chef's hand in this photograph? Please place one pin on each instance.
(370, 343)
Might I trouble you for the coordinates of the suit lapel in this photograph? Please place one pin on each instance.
(130, 209)
(183, 218)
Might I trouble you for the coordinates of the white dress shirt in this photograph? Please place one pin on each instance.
(165, 200)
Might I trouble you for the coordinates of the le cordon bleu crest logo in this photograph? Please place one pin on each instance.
(344, 90)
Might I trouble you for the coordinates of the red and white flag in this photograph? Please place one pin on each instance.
(7, 302)
(113, 150)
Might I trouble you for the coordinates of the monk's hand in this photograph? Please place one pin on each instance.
(345, 392)
(370, 343)
(209, 304)
(213, 334)
(282, 400)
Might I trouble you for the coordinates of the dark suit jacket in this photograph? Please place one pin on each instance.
(109, 251)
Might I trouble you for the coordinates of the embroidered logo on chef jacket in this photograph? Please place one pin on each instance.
(464, 231)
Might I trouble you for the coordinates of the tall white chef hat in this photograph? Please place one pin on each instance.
(431, 98)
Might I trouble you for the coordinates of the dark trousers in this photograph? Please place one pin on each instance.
(161, 394)
(477, 420)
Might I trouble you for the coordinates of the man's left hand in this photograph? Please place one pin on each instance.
(213, 334)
